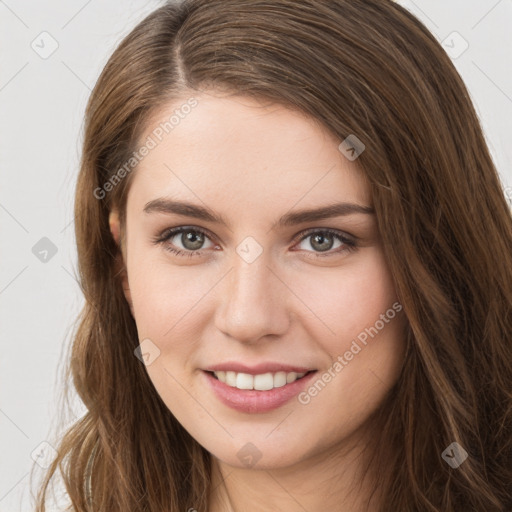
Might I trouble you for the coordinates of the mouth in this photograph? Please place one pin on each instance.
(256, 394)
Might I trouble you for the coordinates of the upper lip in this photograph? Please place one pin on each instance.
(270, 367)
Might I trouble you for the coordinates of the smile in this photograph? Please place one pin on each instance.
(258, 393)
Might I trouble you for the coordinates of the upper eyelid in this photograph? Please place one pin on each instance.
(171, 232)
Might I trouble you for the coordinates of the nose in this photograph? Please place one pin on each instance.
(252, 302)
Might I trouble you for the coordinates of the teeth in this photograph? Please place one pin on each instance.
(244, 381)
(261, 382)
(290, 377)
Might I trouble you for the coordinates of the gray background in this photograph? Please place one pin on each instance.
(42, 100)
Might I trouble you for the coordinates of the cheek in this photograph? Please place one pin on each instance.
(344, 303)
(361, 329)
(164, 298)
(163, 294)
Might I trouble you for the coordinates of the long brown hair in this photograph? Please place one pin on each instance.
(363, 67)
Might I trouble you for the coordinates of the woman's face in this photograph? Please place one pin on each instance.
(259, 289)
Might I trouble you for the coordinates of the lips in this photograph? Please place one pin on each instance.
(254, 401)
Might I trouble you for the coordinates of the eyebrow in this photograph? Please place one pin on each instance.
(163, 205)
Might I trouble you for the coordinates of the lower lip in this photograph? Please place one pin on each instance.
(253, 401)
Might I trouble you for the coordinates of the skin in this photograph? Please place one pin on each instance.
(252, 162)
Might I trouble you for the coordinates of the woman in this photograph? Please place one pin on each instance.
(297, 263)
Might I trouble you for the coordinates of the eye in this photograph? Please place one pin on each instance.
(191, 239)
(322, 241)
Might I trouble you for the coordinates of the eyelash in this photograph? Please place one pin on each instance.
(350, 245)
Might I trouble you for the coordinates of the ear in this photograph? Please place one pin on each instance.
(115, 229)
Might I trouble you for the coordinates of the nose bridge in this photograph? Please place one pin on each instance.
(251, 282)
(252, 302)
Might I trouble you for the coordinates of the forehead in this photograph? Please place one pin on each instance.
(245, 152)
